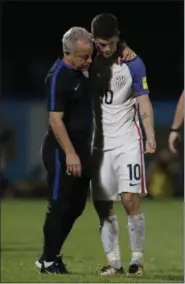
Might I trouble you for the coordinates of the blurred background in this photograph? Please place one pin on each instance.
(31, 41)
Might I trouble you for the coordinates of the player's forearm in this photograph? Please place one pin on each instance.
(179, 113)
(146, 112)
(60, 133)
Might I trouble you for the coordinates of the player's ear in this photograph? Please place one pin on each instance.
(66, 53)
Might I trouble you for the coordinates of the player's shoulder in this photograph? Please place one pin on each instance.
(136, 67)
(136, 63)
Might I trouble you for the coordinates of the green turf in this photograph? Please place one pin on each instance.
(21, 242)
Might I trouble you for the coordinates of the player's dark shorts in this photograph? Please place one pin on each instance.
(63, 188)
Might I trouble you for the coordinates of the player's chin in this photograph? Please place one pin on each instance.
(107, 55)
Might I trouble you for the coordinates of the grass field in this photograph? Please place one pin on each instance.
(21, 242)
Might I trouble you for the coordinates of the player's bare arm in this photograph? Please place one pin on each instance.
(146, 112)
(141, 91)
(177, 122)
(60, 132)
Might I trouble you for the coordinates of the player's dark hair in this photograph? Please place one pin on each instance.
(104, 26)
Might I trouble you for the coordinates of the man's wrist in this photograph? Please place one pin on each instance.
(69, 151)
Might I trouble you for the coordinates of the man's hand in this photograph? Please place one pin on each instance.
(150, 145)
(73, 164)
(127, 55)
(173, 138)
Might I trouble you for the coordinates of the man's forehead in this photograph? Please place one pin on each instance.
(84, 47)
(83, 43)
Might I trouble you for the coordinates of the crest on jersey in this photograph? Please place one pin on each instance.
(119, 81)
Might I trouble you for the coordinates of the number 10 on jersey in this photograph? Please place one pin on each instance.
(107, 97)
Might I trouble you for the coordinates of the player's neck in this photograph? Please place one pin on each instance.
(110, 60)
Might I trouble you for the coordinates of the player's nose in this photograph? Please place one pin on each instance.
(107, 48)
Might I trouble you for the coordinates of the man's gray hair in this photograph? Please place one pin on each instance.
(71, 36)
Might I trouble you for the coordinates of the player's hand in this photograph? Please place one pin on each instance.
(150, 146)
(173, 138)
(127, 55)
(73, 164)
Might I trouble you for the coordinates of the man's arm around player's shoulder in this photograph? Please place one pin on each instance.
(141, 91)
(125, 53)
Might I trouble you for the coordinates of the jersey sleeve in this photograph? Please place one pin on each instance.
(139, 78)
(56, 94)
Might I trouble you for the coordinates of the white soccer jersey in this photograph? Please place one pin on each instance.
(117, 120)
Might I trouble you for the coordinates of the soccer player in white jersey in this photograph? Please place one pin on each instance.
(118, 145)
